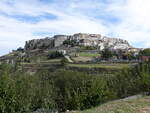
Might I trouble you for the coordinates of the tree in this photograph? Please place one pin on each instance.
(107, 54)
(70, 42)
(20, 49)
(145, 52)
(55, 54)
(64, 61)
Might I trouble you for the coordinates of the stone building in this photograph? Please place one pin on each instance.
(59, 39)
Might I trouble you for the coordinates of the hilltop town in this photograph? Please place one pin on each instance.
(79, 47)
(79, 39)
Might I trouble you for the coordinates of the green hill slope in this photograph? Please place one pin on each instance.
(140, 105)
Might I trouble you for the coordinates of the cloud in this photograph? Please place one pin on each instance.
(135, 24)
(31, 19)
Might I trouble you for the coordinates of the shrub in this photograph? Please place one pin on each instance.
(70, 42)
(64, 61)
(24, 94)
(107, 54)
(7, 95)
(145, 52)
(131, 81)
(87, 48)
(79, 91)
(55, 54)
(146, 82)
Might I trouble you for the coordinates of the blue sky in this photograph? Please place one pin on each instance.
(22, 20)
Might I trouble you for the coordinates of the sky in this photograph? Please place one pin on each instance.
(22, 20)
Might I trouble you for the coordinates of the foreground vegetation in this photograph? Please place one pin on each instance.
(67, 90)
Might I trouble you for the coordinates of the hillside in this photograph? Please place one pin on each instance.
(140, 105)
(79, 47)
(57, 75)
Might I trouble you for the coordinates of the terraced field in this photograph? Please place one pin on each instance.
(90, 68)
(84, 54)
(107, 65)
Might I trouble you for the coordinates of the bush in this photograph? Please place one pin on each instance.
(70, 42)
(145, 52)
(55, 54)
(87, 48)
(146, 82)
(131, 81)
(107, 54)
(79, 91)
(64, 61)
(24, 94)
(7, 95)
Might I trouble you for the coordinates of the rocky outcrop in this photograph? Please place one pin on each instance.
(39, 44)
(96, 40)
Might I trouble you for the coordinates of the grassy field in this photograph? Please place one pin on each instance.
(141, 105)
(82, 59)
(109, 66)
(83, 54)
(42, 65)
(51, 61)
